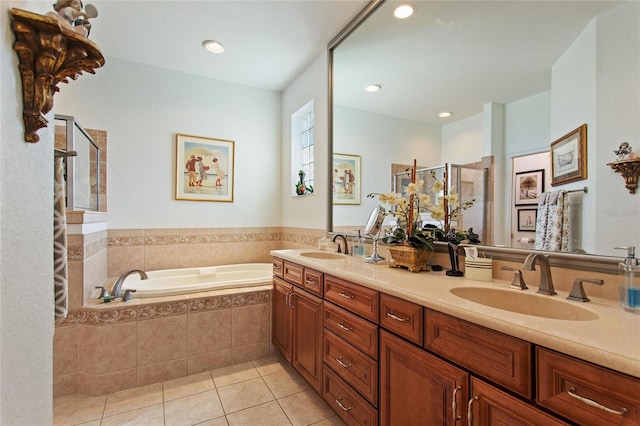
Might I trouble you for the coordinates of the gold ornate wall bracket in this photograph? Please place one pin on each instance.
(630, 170)
(48, 55)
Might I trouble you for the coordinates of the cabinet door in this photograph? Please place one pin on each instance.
(416, 388)
(307, 337)
(281, 319)
(491, 406)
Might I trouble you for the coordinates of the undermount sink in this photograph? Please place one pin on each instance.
(322, 255)
(525, 303)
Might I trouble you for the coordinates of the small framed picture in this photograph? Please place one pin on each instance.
(569, 157)
(346, 179)
(528, 186)
(527, 220)
(204, 168)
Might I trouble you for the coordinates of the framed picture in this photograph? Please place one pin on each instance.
(346, 179)
(528, 186)
(204, 168)
(569, 157)
(527, 220)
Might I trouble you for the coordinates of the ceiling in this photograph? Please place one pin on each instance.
(456, 55)
(268, 43)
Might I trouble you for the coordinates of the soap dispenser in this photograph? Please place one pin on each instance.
(359, 246)
(630, 281)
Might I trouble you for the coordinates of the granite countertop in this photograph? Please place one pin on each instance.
(612, 340)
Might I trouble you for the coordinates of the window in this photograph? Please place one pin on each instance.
(302, 142)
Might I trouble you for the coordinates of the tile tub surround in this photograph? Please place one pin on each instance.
(108, 347)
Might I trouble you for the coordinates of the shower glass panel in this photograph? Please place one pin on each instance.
(82, 169)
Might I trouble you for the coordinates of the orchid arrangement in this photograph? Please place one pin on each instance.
(407, 212)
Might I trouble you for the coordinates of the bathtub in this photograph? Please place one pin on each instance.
(168, 282)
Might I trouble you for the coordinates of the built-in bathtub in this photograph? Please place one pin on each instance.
(170, 282)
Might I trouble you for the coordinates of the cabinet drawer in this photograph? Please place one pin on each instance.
(313, 281)
(404, 318)
(278, 267)
(356, 298)
(359, 332)
(293, 273)
(356, 368)
(570, 387)
(352, 408)
(500, 358)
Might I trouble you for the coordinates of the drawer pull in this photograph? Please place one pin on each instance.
(397, 318)
(470, 410)
(344, 327)
(276, 266)
(346, 296)
(454, 404)
(572, 393)
(311, 282)
(341, 405)
(339, 359)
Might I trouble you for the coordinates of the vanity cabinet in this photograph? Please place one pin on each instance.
(297, 322)
(586, 393)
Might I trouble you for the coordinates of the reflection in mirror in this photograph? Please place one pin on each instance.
(517, 75)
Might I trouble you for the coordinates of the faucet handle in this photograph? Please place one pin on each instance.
(103, 291)
(518, 281)
(127, 294)
(577, 292)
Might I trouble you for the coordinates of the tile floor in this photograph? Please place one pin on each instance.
(263, 392)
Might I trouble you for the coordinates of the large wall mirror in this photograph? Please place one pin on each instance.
(516, 76)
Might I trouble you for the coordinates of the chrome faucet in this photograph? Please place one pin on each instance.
(546, 282)
(117, 287)
(344, 238)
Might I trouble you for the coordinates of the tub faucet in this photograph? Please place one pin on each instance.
(546, 282)
(115, 291)
(346, 247)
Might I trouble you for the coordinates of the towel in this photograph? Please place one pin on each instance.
(60, 282)
(552, 224)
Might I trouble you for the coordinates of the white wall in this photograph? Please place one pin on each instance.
(143, 107)
(26, 251)
(380, 140)
(309, 211)
(462, 141)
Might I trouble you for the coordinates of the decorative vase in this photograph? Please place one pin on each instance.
(413, 259)
(300, 189)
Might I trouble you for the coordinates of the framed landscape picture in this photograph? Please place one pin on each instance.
(528, 186)
(204, 168)
(569, 157)
(346, 179)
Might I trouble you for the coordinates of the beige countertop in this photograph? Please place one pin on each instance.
(612, 340)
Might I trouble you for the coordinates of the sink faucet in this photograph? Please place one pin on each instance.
(546, 282)
(346, 247)
(117, 287)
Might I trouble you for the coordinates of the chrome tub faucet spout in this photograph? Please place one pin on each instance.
(117, 287)
(546, 282)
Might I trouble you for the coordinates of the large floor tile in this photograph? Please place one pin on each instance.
(305, 408)
(133, 399)
(76, 409)
(285, 383)
(152, 415)
(187, 385)
(226, 376)
(193, 409)
(268, 414)
(271, 365)
(243, 395)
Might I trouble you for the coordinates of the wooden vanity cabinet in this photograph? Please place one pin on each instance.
(297, 322)
(404, 318)
(586, 393)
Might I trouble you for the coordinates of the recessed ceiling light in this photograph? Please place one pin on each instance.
(372, 88)
(404, 11)
(445, 114)
(213, 46)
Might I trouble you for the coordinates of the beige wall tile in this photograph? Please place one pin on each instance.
(193, 255)
(250, 352)
(209, 331)
(123, 258)
(250, 325)
(107, 348)
(209, 361)
(160, 256)
(160, 372)
(75, 274)
(65, 385)
(102, 384)
(94, 273)
(162, 339)
(65, 350)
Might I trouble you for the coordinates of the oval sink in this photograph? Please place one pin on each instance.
(525, 303)
(322, 255)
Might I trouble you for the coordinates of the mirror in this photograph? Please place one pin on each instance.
(567, 62)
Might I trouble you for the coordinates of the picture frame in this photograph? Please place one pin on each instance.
(528, 186)
(569, 157)
(346, 179)
(204, 168)
(527, 220)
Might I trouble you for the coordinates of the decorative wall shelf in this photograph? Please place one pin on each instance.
(49, 55)
(630, 170)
